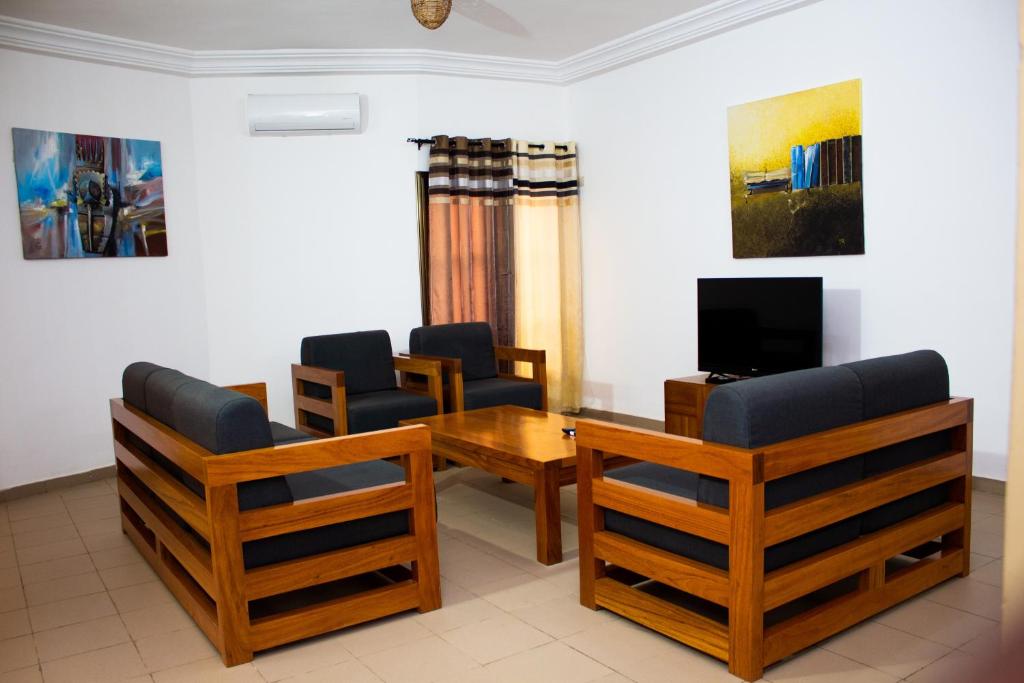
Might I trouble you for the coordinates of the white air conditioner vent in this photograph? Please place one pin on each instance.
(303, 114)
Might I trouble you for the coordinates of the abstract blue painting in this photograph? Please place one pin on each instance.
(83, 196)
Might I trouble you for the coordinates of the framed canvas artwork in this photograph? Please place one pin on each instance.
(83, 196)
(796, 180)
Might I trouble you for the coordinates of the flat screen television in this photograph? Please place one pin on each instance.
(758, 326)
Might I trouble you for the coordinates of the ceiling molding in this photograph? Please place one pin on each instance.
(30, 36)
(687, 28)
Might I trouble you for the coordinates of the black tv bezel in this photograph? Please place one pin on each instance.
(737, 370)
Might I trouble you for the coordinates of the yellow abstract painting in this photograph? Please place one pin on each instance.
(796, 174)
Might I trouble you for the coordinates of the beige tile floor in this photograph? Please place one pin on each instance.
(77, 603)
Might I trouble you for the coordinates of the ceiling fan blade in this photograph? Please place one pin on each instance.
(486, 14)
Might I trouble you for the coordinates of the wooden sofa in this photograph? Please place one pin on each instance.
(264, 535)
(830, 495)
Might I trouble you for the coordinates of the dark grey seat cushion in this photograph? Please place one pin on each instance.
(365, 357)
(473, 343)
(750, 414)
(496, 391)
(383, 409)
(892, 384)
(335, 536)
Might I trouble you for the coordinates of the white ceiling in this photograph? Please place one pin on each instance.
(531, 29)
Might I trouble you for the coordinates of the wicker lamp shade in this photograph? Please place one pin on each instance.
(431, 13)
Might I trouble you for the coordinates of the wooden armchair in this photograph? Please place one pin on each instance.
(477, 373)
(346, 385)
(267, 544)
(753, 581)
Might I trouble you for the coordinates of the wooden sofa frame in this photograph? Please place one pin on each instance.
(454, 402)
(213, 585)
(612, 565)
(336, 408)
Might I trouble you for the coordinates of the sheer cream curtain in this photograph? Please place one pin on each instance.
(548, 280)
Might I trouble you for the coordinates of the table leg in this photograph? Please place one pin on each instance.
(548, 511)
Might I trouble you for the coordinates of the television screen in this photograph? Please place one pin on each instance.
(758, 326)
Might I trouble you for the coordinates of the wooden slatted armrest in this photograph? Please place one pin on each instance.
(694, 455)
(452, 365)
(519, 354)
(431, 369)
(317, 375)
(419, 365)
(305, 456)
(452, 369)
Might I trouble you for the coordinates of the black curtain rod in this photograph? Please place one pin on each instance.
(429, 141)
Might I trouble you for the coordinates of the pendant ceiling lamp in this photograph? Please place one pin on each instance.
(431, 13)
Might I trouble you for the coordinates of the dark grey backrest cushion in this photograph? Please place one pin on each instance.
(365, 357)
(901, 382)
(133, 383)
(473, 343)
(766, 410)
(161, 388)
(891, 384)
(220, 420)
(225, 421)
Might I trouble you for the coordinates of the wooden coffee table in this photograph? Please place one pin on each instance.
(524, 445)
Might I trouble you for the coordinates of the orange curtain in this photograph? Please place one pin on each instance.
(469, 234)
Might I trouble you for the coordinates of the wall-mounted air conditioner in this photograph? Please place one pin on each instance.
(303, 114)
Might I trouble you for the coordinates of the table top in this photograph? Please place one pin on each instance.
(506, 430)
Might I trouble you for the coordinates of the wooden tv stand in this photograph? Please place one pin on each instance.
(684, 404)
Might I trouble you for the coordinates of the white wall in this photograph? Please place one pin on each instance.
(272, 239)
(939, 124)
(300, 236)
(70, 327)
(314, 235)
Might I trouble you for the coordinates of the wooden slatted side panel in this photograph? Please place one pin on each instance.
(191, 554)
(189, 595)
(706, 521)
(808, 514)
(332, 615)
(815, 625)
(687, 575)
(673, 621)
(338, 564)
(801, 578)
(332, 509)
(173, 493)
